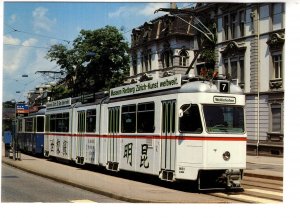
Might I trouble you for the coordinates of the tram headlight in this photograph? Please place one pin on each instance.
(226, 155)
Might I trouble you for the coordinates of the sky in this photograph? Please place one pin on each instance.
(30, 28)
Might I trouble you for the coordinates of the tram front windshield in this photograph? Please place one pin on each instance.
(224, 119)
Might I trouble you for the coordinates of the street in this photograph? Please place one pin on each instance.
(19, 186)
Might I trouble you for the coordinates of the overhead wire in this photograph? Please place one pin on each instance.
(26, 46)
(36, 34)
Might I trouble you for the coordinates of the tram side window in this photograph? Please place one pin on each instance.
(113, 119)
(168, 117)
(20, 125)
(52, 122)
(65, 118)
(59, 122)
(190, 121)
(128, 118)
(40, 124)
(145, 118)
(91, 120)
(47, 123)
(28, 125)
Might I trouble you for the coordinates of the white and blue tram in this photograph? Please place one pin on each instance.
(30, 132)
(166, 127)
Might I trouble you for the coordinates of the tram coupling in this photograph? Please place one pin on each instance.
(233, 178)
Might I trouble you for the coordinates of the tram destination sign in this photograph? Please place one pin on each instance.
(148, 86)
(59, 103)
(224, 100)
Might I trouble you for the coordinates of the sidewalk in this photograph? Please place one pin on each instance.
(265, 160)
(120, 188)
(265, 167)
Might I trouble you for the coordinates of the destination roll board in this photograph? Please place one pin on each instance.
(148, 86)
(59, 103)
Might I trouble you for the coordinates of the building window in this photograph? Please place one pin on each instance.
(276, 124)
(226, 27)
(167, 58)
(146, 61)
(134, 64)
(242, 23)
(149, 57)
(234, 68)
(233, 22)
(277, 66)
(277, 16)
(242, 70)
(234, 25)
(183, 58)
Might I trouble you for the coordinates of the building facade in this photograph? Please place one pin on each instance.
(164, 45)
(249, 50)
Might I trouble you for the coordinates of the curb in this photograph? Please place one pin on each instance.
(279, 178)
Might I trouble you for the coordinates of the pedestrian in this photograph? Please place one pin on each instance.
(7, 141)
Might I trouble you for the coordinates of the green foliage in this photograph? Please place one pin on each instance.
(8, 104)
(60, 91)
(208, 55)
(8, 114)
(98, 61)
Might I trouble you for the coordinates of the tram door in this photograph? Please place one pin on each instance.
(80, 137)
(168, 143)
(113, 130)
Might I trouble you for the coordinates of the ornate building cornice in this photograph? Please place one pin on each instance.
(233, 48)
(276, 41)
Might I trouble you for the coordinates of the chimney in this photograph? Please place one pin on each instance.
(173, 5)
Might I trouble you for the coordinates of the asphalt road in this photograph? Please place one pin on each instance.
(19, 186)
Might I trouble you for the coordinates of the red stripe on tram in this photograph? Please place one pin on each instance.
(193, 138)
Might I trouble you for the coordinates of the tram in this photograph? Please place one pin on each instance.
(167, 127)
(30, 133)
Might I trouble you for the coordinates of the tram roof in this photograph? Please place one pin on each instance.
(163, 86)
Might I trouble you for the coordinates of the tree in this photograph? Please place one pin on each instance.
(98, 61)
(8, 114)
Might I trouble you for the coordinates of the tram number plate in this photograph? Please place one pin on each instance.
(224, 86)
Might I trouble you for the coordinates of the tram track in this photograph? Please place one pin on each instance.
(274, 185)
(256, 190)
